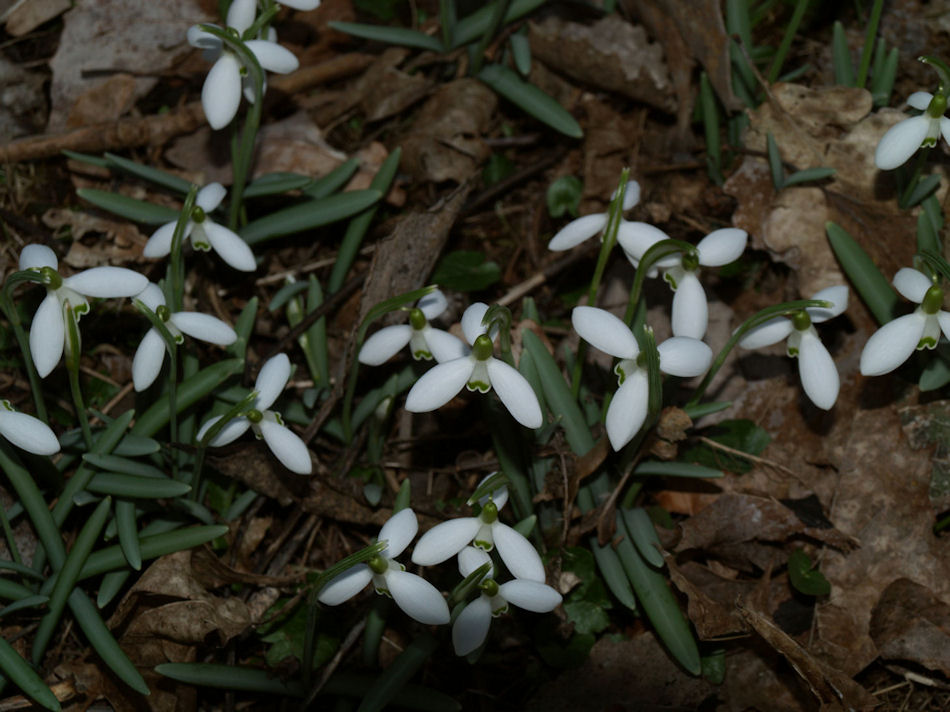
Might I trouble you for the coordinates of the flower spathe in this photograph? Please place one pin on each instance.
(205, 234)
(221, 93)
(586, 226)
(679, 356)
(894, 342)
(150, 355)
(418, 598)
(282, 441)
(26, 432)
(471, 626)
(447, 539)
(904, 138)
(425, 342)
(48, 331)
(478, 371)
(816, 368)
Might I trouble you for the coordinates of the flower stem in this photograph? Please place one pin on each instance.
(9, 309)
(73, 349)
(919, 162)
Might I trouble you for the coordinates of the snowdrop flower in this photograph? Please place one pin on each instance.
(679, 356)
(478, 371)
(48, 331)
(894, 342)
(424, 341)
(720, 247)
(26, 432)
(283, 442)
(447, 539)
(418, 598)
(150, 355)
(301, 4)
(204, 233)
(585, 227)
(471, 627)
(904, 138)
(815, 366)
(221, 94)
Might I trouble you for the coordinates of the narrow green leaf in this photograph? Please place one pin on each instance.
(402, 36)
(136, 446)
(925, 188)
(804, 578)
(399, 672)
(613, 572)
(710, 112)
(154, 175)
(151, 547)
(13, 591)
(127, 529)
(87, 158)
(110, 586)
(841, 56)
(28, 602)
(308, 215)
(775, 162)
(34, 504)
(23, 676)
(521, 51)
(285, 294)
(809, 174)
(276, 183)
(230, 677)
(333, 181)
(643, 534)
(929, 225)
(126, 207)
(244, 326)
(675, 469)
(530, 99)
(936, 374)
(883, 83)
(475, 25)
(695, 412)
(124, 465)
(870, 284)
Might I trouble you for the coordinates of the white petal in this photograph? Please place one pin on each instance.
(241, 14)
(901, 142)
(577, 231)
(471, 559)
(47, 335)
(720, 247)
(837, 295)
(945, 128)
(37, 256)
(152, 296)
(345, 586)
(418, 598)
(204, 327)
(445, 346)
(445, 540)
(530, 595)
(685, 357)
(892, 344)
(771, 332)
(920, 100)
(519, 554)
(433, 304)
(499, 496)
(516, 393)
(273, 57)
(384, 344)
(107, 282)
(439, 385)
(471, 627)
(690, 314)
(203, 40)
(28, 433)
(160, 243)
(632, 195)
(210, 197)
(817, 370)
(287, 447)
(472, 325)
(148, 360)
(271, 380)
(943, 318)
(628, 409)
(604, 331)
(301, 4)
(398, 531)
(230, 247)
(637, 237)
(221, 93)
(228, 434)
(912, 285)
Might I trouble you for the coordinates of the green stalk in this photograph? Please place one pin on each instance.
(869, 36)
(73, 348)
(919, 164)
(776, 68)
(11, 540)
(9, 309)
(501, 8)
(660, 250)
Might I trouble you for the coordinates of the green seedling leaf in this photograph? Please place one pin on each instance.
(119, 485)
(24, 603)
(474, 26)
(402, 36)
(867, 279)
(643, 534)
(333, 181)
(882, 84)
(151, 547)
(809, 174)
(123, 206)
(698, 410)
(841, 56)
(709, 110)
(924, 189)
(308, 215)
(466, 271)
(741, 435)
(136, 446)
(244, 326)
(230, 677)
(521, 52)
(21, 674)
(110, 586)
(127, 530)
(564, 196)
(162, 178)
(498, 167)
(775, 162)
(929, 224)
(276, 183)
(114, 463)
(285, 294)
(530, 99)
(87, 158)
(804, 578)
(400, 671)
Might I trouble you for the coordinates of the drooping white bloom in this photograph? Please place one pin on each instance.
(585, 227)
(720, 247)
(679, 356)
(413, 594)
(26, 432)
(48, 331)
(303, 5)
(205, 233)
(447, 539)
(816, 368)
(425, 342)
(894, 342)
(478, 371)
(904, 138)
(150, 355)
(283, 442)
(471, 627)
(221, 94)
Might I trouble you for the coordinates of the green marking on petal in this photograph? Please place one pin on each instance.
(422, 355)
(479, 386)
(483, 545)
(927, 342)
